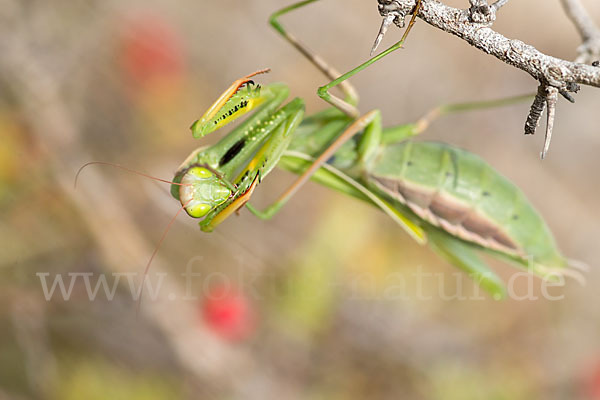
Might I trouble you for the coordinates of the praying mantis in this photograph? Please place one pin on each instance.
(439, 194)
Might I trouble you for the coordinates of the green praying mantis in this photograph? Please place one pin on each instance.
(439, 194)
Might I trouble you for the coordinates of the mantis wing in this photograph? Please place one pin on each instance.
(462, 256)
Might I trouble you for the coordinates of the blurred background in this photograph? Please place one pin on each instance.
(325, 300)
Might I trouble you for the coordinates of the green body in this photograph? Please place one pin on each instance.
(458, 200)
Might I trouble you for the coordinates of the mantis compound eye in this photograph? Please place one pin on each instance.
(198, 210)
(202, 191)
(200, 172)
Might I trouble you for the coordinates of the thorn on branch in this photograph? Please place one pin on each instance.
(391, 13)
(535, 113)
(567, 96)
(387, 21)
(570, 87)
(498, 4)
(547, 96)
(551, 98)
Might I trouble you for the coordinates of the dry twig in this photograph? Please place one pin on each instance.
(474, 26)
(589, 51)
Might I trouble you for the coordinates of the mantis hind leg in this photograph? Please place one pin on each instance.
(399, 133)
(350, 93)
(349, 108)
(349, 103)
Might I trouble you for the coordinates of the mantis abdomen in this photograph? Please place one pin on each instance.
(460, 193)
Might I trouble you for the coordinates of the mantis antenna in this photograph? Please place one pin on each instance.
(125, 169)
(160, 242)
(164, 235)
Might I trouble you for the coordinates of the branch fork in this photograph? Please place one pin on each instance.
(555, 76)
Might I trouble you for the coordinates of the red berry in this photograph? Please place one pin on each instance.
(149, 49)
(591, 381)
(228, 313)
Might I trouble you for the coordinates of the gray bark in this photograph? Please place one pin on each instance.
(556, 76)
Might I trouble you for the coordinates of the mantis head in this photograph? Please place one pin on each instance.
(205, 194)
(201, 191)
